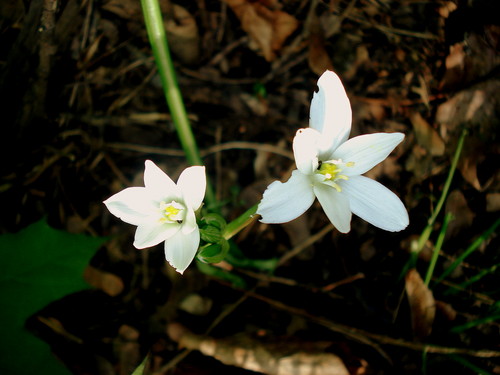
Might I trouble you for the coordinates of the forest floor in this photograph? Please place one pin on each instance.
(83, 108)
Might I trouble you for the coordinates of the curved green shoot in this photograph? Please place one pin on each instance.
(158, 39)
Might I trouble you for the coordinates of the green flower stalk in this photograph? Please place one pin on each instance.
(159, 44)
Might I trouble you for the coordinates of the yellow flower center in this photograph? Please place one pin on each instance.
(331, 171)
(172, 212)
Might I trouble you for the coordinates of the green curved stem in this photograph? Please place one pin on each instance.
(240, 222)
(158, 39)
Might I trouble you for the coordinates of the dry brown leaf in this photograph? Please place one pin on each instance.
(195, 304)
(455, 60)
(422, 90)
(128, 349)
(268, 28)
(446, 8)
(318, 58)
(390, 168)
(422, 304)
(107, 282)
(446, 310)
(126, 9)
(468, 168)
(282, 358)
(493, 202)
(420, 163)
(469, 60)
(456, 204)
(182, 34)
(427, 136)
(476, 110)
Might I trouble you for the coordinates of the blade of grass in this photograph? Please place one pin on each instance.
(437, 248)
(418, 245)
(430, 223)
(469, 365)
(158, 39)
(424, 362)
(474, 323)
(469, 250)
(479, 276)
(141, 369)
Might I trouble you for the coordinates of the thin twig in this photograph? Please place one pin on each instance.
(363, 335)
(304, 245)
(237, 145)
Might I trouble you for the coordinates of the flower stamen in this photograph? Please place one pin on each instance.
(331, 171)
(172, 212)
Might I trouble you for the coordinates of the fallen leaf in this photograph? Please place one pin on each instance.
(446, 8)
(456, 204)
(422, 304)
(110, 284)
(182, 35)
(469, 60)
(427, 136)
(318, 57)
(129, 349)
(473, 109)
(280, 358)
(268, 28)
(446, 310)
(493, 202)
(195, 304)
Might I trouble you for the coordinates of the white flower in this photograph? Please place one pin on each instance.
(164, 211)
(329, 167)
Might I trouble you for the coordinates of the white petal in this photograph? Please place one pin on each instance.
(181, 249)
(375, 203)
(189, 222)
(132, 205)
(283, 202)
(335, 205)
(305, 150)
(158, 182)
(151, 233)
(330, 113)
(193, 182)
(366, 151)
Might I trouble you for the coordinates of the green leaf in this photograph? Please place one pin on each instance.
(211, 234)
(39, 265)
(219, 273)
(238, 259)
(215, 220)
(213, 253)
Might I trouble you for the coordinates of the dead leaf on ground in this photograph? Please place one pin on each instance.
(427, 136)
(469, 60)
(318, 57)
(493, 202)
(446, 310)
(129, 350)
(390, 168)
(475, 109)
(268, 28)
(456, 204)
(280, 358)
(182, 35)
(422, 304)
(109, 283)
